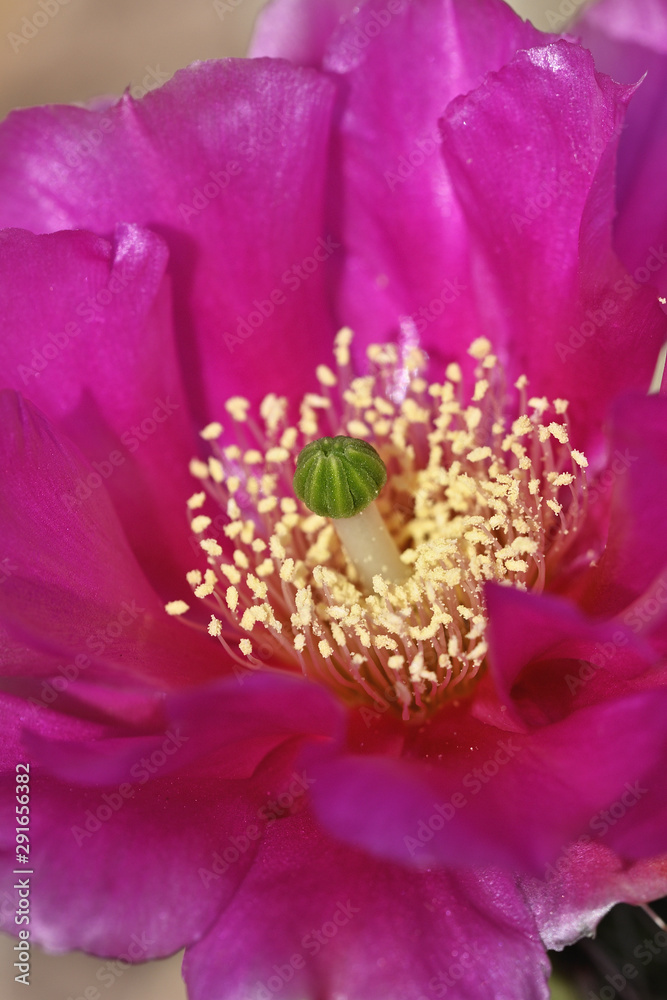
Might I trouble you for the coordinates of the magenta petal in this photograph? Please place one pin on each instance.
(404, 231)
(316, 919)
(147, 851)
(228, 161)
(295, 845)
(630, 575)
(75, 588)
(556, 297)
(228, 729)
(542, 788)
(629, 41)
(298, 30)
(119, 804)
(544, 632)
(41, 736)
(86, 334)
(134, 871)
(643, 22)
(586, 880)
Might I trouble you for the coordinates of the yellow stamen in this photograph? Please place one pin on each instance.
(476, 492)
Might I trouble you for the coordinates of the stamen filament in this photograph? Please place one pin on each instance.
(475, 488)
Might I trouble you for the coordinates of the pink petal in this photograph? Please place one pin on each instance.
(643, 22)
(408, 260)
(313, 918)
(75, 589)
(541, 787)
(629, 41)
(230, 730)
(140, 862)
(584, 882)
(86, 334)
(298, 30)
(228, 163)
(148, 813)
(631, 574)
(543, 652)
(554, 294)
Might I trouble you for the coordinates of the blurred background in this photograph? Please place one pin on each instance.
(93, 47)
(88, 48)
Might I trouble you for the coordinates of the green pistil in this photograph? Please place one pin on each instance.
(338, 476)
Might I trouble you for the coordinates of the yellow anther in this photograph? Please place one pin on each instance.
(176, 608)
(479, 348)
(325, 376)
(215, 627)
(211, 432)
(199, 524)
(198, 469)
(470, 498)
(238, 407)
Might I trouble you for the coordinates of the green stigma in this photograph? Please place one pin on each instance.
(338, 476)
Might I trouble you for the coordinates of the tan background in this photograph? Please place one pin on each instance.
(92, 47)
(88, 48)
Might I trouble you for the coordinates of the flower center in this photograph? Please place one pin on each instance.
(473, 494)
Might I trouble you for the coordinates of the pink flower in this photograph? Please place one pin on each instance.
(321, 791)
(629, 42)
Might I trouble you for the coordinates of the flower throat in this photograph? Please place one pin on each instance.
(472, 495)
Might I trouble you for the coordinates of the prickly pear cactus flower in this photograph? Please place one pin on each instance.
(334, 566)
(629, 42)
